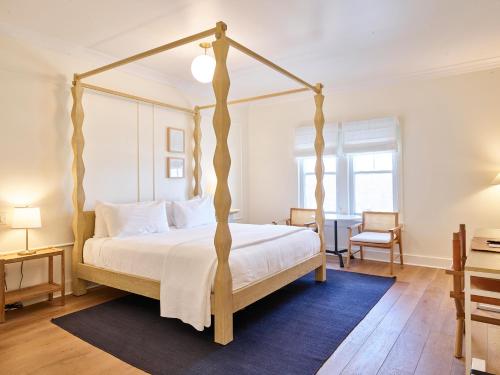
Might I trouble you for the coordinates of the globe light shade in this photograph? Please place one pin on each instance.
(203, 68)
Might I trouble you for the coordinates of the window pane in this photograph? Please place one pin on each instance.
(373, 192)
(308, 164)
(372, 162)
(330, 164)
(330, 186)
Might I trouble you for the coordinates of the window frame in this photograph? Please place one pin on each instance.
(395, 181)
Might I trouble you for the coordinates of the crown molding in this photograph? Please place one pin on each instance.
(467, 67)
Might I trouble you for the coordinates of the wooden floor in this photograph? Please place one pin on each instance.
(410, 331)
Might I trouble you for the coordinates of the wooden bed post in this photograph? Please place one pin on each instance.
(197, 152)
(78, 170)
(319, 145)
(223, 285)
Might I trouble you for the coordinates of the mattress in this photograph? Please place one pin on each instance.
(144, 255)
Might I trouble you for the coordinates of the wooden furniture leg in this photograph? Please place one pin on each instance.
(319, 145)
(63, 279)
(78, 170)
(459, 337)
(400, 244)
(197, 152)
(349, 251)
(51, 275)
(391, 269)
(361, 255)
(2, 291)
(468, 323)
(223, 286)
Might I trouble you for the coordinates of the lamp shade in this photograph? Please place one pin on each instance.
(203, 68)
(496, 180)
(26, 217)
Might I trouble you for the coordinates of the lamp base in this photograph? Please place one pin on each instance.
(26, 252)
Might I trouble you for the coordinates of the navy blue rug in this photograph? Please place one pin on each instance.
(292, 331)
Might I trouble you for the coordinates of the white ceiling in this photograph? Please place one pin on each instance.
(337, 42)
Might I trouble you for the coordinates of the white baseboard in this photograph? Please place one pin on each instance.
(410, 259)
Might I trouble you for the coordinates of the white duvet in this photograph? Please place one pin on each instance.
(184, 261)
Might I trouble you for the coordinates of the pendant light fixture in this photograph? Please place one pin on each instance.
(203, 66)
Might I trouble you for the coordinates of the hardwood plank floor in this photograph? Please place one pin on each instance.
(410, 331)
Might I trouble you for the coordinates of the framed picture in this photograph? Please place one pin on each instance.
(175, 140)
(175, 168)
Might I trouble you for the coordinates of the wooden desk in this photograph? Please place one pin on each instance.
(481, 264)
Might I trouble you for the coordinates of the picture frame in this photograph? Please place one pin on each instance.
(175, 140)
(175, 167)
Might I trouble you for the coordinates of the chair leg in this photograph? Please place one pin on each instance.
(391, 268)
(459, 337)
(349, 250)
(400, 243)
(361, 255)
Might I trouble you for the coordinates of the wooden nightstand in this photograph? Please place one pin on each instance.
(48, 288)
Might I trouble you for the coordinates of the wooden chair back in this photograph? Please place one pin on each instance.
(301, 217)
(459, 249)
(374, 221)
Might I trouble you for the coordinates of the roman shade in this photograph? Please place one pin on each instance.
(304, 140)
(374, 135)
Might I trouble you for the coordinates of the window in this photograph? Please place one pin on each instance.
(361, 166)
(307, 183)
(372, 182)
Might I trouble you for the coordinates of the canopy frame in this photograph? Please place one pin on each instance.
(225, 301)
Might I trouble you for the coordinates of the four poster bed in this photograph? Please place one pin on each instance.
(224, 300)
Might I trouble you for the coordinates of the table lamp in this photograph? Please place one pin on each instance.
(496, 180)
(26, 218)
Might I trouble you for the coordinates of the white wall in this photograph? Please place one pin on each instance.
(451, 146)
(35, 147)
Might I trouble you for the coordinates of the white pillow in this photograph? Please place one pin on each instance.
(194, 212)
(135, 218)
(100, 229)
(170, 213)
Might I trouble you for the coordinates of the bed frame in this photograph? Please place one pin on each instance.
(224, 301)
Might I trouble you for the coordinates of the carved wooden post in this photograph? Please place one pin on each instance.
(78, 171)
(223, 286)
(319, 146)
(197, 152)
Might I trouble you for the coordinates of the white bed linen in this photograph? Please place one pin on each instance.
(184, 261)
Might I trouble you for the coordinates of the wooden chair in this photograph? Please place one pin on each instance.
(379, 230)
(301, 217)
(457, 293)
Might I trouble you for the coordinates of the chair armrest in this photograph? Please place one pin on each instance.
(354, 226)
(310, 224)
(281, 222)
(350, 228)
(395, 231)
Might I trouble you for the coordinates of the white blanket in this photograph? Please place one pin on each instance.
(184, 261)
(189, 270)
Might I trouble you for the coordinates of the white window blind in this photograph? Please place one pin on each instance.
(304, 140)
(375, 135)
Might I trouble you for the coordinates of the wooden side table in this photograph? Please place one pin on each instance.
(48, 288)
